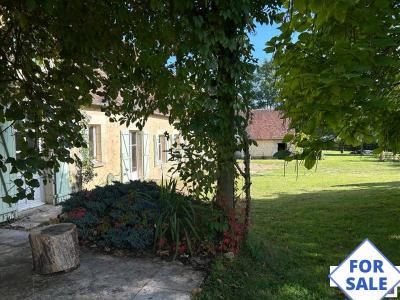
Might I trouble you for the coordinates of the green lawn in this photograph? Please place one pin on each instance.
(301, 227)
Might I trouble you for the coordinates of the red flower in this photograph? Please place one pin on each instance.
(78, 213)
(162, 242)
(182, 249)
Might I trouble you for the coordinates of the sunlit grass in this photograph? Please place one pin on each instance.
(303, 223)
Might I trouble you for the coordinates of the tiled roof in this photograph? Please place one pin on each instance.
(97, 100)
(267, 125)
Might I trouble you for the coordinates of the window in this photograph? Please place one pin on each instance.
(160, 149)
(133, 150)
(282, 146)
(95, 142)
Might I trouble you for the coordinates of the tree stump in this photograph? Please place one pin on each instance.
(55, 248)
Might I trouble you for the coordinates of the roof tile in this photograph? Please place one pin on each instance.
(267, 125)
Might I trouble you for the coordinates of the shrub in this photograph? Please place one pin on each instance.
(138, 215)
(118, 215)
(282, 154)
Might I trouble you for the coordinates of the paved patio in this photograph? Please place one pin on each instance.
(31, 218)
(98, 277)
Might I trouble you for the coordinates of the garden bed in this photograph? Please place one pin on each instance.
(142, 217)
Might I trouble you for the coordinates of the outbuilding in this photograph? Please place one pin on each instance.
(267, 128)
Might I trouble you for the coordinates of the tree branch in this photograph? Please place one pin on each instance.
(240, 170)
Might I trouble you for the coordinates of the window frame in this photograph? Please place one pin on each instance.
(95, 151)
(134, 156)
(160, 152)
(159, 148)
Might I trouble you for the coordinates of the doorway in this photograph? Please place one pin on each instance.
(38, 197)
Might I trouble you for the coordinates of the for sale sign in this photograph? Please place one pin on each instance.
(366, 274)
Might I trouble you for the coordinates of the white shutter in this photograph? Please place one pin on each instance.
(139, 154)
(7, 187)
(61, 182)
(168, 146)
(125, 158)
(156, 149)
(146, 155)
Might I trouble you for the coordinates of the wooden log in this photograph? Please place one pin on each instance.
(55, 248)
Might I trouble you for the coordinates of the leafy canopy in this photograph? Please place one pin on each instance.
(339, 67)
(190, 59)
(47, 73)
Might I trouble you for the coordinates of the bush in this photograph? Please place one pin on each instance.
(282, 154)
(118, 215)
(139, 215)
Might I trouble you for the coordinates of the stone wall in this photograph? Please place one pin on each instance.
(264, 148)
(110, 164)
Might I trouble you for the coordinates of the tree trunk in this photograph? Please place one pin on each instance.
(247, 185)
(227, 145)
(230, 74)
(226, 157)
(55, 248)
(226, 184)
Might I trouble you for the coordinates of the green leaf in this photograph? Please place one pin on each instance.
(19, 182)
(33, 183)
(300, 5)
(310, 160)
(288, 138)
(340, 11)
(8, 199)
(31, 4)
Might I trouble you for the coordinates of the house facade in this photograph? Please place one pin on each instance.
(118, 153)
(123, 153)
(267, 128)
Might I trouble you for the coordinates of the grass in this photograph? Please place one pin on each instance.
(301, 227)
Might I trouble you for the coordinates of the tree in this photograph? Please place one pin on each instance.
(47, 72)
(190, 60)
(206, 92)
(339, 67)
(264, 86)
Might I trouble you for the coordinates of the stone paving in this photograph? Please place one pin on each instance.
(34, 217)
(99, 276)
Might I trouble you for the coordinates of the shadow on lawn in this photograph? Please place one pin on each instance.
(341, 154)
(389, 185)
(299, 240)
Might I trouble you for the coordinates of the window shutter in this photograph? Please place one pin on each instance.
(99, 155)
(125, 156)
(7, 187)
(146, 154)
(156, 150)
(168, 146)
(61, 182)
(139, 153)
(91, 138)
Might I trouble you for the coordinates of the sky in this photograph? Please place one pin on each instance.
(263, 34)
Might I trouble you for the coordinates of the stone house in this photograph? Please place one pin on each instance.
(119, 153)
(267, 128)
